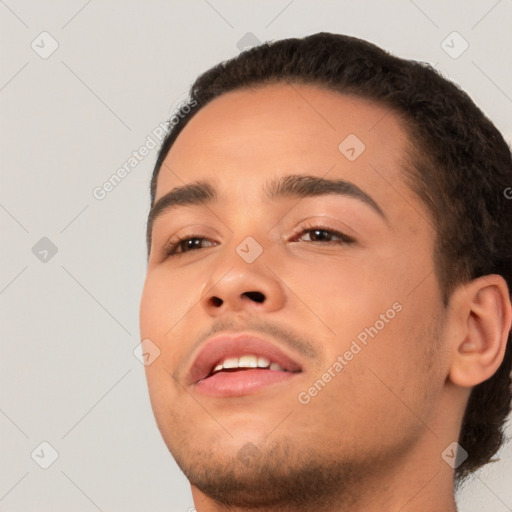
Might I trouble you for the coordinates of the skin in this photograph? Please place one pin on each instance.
(372, 438)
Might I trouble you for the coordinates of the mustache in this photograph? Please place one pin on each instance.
(232, 325)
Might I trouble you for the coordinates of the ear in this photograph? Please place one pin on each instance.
(483, 314)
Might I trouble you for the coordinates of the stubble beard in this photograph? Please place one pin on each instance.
(280, 477)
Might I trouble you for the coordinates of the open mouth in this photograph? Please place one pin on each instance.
(238, 365)
(242, 380)
(244, 363)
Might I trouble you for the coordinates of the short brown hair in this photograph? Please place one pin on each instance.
(461, 168)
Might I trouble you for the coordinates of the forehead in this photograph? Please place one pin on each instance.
(243, 138)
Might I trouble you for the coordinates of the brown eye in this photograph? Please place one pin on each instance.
(190, 243)
(320, 235)
(324, 235)
(184, 245)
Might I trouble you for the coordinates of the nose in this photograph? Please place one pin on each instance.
(237, 286)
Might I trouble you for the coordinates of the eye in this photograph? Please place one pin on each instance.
(323, 234)
(317, 233)
(182, 245)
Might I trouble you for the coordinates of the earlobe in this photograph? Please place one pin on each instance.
(486, 316)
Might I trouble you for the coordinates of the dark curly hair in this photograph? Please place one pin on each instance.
(460, 167)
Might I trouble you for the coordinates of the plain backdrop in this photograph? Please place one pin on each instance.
(72, 266)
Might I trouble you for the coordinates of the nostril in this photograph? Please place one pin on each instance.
(216, 301)
(255, 296)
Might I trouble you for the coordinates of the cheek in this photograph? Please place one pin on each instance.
(164, 311)
(388, 380)
(152, 299)
(341, 295)
(373, 311)
(166, 298)
(160, 311)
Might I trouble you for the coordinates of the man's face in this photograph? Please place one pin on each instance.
(273, 266)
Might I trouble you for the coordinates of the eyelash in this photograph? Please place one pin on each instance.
(170, 248)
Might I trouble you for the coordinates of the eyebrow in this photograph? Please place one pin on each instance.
(303, 185)
(192, 194)
(295, 185)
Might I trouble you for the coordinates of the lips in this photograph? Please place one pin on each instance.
(233, 378)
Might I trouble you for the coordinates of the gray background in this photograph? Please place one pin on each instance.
(70, 319)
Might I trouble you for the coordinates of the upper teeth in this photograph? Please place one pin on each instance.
(248, 361)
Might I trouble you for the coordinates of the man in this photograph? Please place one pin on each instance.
(328, 283)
